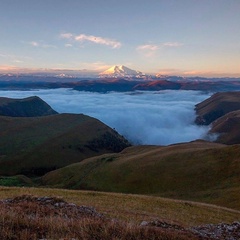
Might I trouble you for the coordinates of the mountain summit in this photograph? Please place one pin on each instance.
(120, 71)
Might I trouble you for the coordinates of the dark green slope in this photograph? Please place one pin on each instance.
(33, 146)
(26, 107)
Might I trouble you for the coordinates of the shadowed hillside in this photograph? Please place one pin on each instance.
(199, 171)
(33, 146)
(217, 106)
(228, 128)
(27, 107)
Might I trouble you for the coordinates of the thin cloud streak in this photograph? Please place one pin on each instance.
(91, 38)
(172, 44)
(41, 45)
(148, 47)
(149, 50)
(66, 35)
(159, 118)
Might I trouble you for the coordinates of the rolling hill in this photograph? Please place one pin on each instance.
(227, 128)
(35, 145)
(222, 111)
(199, 171)
(27, 107)
(217, 106)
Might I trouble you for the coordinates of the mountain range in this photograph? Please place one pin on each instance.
(119, 79)
(116, 71)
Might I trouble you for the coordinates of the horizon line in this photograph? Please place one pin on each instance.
(205, 74)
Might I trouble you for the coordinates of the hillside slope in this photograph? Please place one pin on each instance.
(228, 128)
(35, 145)
(199, 171)
(217, 106)
(26, 107)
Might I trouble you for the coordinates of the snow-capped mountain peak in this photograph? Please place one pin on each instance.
(120, 71)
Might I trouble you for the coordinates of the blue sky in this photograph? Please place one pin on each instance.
(184, 37)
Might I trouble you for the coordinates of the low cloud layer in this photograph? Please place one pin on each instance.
(160, 118)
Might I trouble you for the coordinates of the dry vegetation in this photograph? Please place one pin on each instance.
(29, 217)
(135, 208)
(94, 215)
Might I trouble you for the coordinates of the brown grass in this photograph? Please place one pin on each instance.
(135, 208)
(26, 218)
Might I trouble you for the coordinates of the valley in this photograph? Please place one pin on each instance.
(173, 185)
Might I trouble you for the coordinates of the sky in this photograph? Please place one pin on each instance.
(173, 37)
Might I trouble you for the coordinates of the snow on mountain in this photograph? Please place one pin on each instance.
(120, 71)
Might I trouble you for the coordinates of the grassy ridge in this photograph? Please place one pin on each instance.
(40, 144)
(198, 171)
(217, 106)
(26, 107)
(227, 127)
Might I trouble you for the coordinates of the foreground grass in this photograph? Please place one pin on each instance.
(17, 223)
(135, 208)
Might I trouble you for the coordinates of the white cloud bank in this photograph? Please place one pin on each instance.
(159, 118)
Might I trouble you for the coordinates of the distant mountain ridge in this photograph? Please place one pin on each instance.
(119, 84)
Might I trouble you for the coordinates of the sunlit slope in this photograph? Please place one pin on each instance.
(199, 171)
(33, 146)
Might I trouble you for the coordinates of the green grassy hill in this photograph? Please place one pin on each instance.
(26, 107)
(198, 171)
(34, 146)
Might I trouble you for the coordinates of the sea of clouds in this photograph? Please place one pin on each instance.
(160, 118)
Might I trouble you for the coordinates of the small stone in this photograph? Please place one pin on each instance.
(144, 223)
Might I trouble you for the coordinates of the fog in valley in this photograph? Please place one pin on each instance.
(160, 118)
